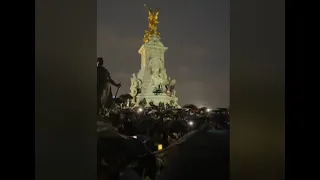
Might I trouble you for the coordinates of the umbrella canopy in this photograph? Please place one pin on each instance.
(115, 152)
(142, 138)
(203, 155)
(173, 145)
(110, 144)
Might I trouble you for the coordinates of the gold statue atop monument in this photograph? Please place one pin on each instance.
(153, 24)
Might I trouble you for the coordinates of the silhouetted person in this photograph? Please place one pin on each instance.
(104, 82)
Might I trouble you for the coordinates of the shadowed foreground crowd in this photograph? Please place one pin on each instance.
(164, 144)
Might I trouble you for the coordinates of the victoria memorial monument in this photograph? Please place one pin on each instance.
(151, 83)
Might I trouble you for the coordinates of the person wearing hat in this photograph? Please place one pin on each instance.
(104, 82)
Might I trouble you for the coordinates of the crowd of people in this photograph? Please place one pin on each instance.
(145, 143)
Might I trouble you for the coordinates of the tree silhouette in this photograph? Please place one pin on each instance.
(125, 96)
(123, 99)
(152, 105)
(190, 106)
(203, 109)
(143, 102)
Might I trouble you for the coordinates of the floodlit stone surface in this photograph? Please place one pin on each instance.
(151, 82)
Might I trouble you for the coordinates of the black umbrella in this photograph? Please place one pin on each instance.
(111, 152)
(116, 152)
(204, 155)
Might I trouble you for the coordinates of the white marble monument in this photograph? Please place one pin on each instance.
(152, 83)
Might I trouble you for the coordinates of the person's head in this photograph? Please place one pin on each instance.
(99, 61)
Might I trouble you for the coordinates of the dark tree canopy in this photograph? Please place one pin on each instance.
(203, 109)
(125, 96)
(190, 106)
(222, 109)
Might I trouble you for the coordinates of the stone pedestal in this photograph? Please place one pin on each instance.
(153, 76)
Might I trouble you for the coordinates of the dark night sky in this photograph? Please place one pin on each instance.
(196, 33)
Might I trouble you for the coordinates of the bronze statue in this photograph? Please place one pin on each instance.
(104, 82)
(153, 24)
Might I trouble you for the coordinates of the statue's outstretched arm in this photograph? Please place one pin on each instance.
(112, 81)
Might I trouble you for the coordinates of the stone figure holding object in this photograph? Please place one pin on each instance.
(134, 85)
(170, 87)
(156, 77)
(104, 82)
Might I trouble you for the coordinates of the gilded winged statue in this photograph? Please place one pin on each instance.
(153, 24)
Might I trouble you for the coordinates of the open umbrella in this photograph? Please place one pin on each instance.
(116, 152)
(203, 155)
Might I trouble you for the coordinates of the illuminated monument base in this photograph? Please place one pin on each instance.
(152, 83)
(156, 99)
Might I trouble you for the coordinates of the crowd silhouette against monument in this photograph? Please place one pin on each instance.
(145, 141)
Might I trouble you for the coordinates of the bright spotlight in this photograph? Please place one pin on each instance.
(140, 110)
(135, 137)
(190, 123)
(209, 110)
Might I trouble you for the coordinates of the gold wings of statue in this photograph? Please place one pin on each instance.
(153, 24)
